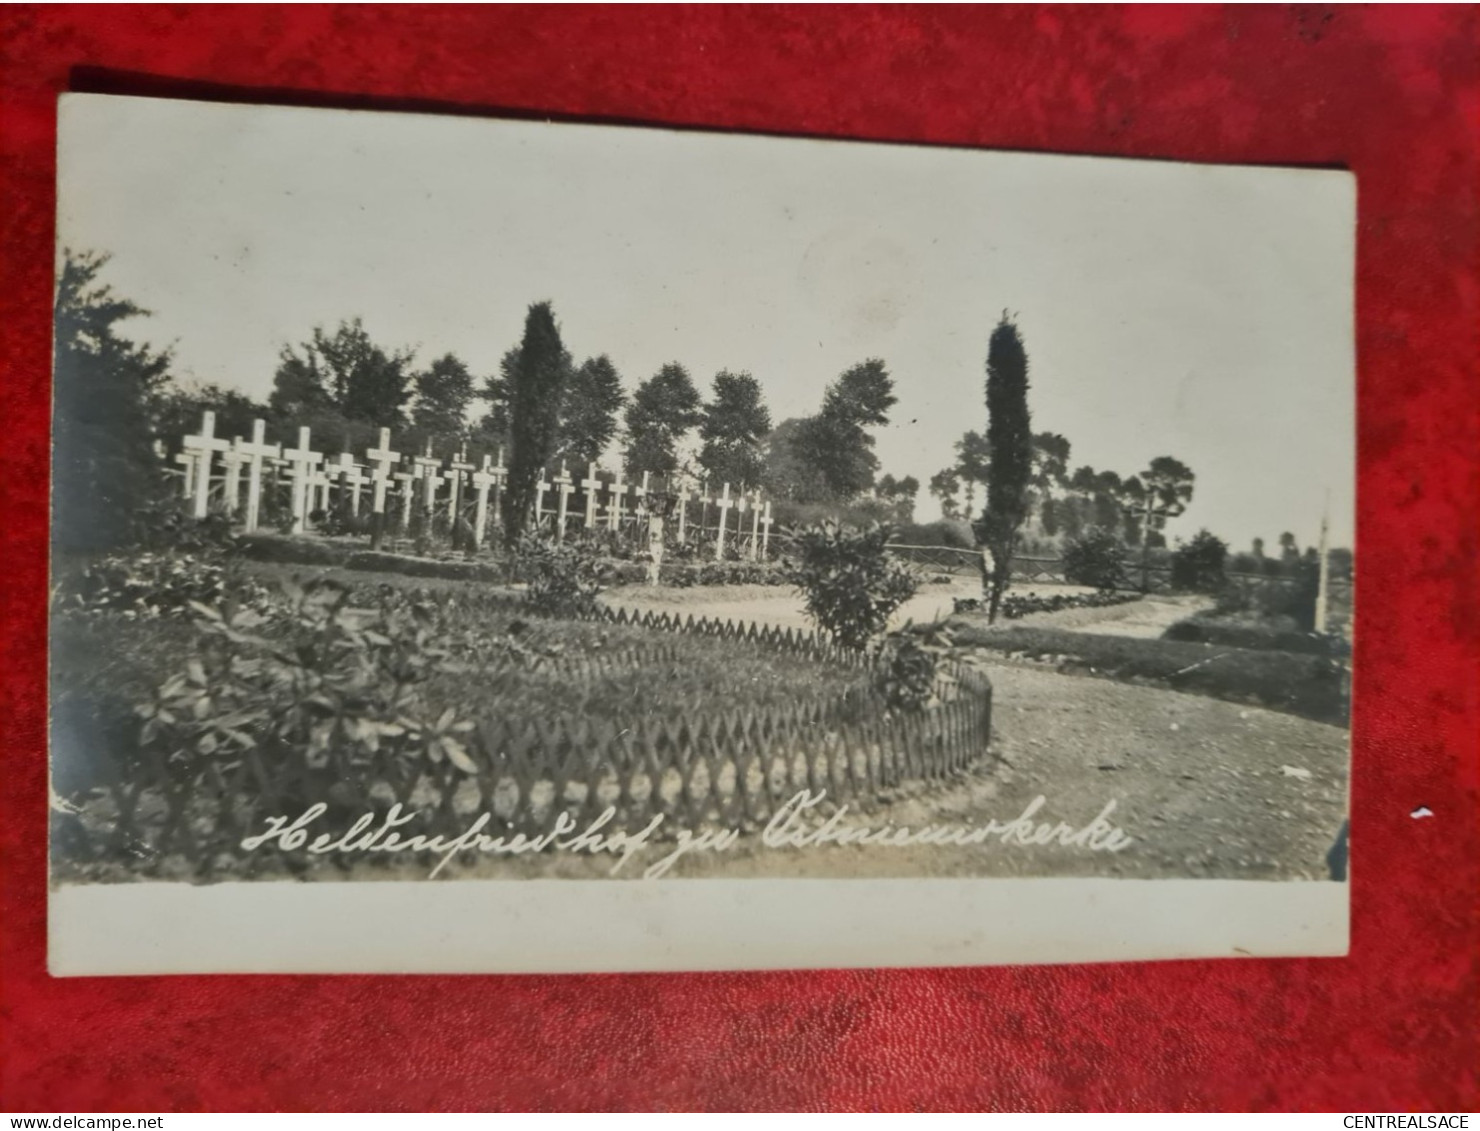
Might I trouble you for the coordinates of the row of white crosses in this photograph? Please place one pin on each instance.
(312, 477)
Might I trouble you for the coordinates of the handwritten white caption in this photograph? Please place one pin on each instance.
(788, 828)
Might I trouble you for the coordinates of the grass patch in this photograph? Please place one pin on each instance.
(1279, 634)
(1313, 687)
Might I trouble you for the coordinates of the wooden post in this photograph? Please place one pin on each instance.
(724, 509)
(591, 485)
(541, 485)
(683, 510)
(500, 473)
(766, 533)
(303, 461)
(407, 480)
(254, 452)
(428, 470)
(352, 478)
(203, 447)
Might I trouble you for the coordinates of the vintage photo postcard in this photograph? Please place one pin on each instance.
(487, 545)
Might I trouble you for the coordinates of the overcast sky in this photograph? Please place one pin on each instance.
(1203, 312)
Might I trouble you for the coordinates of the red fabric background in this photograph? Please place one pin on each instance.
(1388, 92)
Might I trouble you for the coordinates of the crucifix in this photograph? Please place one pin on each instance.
(203, 447)
(254, 452)
(352, 478)
(725, 503)
(591, 485)
(456, 468)
(304, 462)
(565, 485)
(618, 489)
(540, 487)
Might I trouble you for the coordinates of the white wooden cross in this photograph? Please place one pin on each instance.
(639, 496)
(500, 473)
(304, 461)
(565, 484)
(540, 487)
(254, 452)
(456, 469)
(683, 509)
(591, 485)
(725, 503)
(203, 448)
(233, 460)
(483, 479)
(755, 526)
(187, 463)
(618, 489)
(351, 479)
(741, 505)
(384, 459)
(428, 470)
(407, 480)
(766, 532)
(318, 489)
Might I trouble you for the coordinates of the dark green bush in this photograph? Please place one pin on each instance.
(563, 578)
(1198, 566)
(851, 584)
(1095, 558)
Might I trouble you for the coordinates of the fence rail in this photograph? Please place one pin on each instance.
(725, 767)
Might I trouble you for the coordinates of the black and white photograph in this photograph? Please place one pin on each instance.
(579, 547)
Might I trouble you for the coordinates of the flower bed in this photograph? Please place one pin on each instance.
(1014, 608)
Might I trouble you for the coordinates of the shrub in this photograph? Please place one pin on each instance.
(956, 535)
(907, 676)
(1095, 558)
(850, 582)
(1014, 607)
(1198, 566)
(563, 578)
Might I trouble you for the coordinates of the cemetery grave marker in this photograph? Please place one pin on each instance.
(255, 451)
(566, 485)
(203, 447)
(303, 462)
(590, 485)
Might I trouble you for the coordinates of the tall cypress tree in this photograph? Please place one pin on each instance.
(1010, 466)
(539, 377)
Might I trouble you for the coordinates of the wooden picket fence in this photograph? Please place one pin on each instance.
(728, 768)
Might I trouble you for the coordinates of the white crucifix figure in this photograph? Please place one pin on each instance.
(233, 461)
(618, 489)
(304, 462)
(255, 452)
(766, 532)
(380, 476)
(755, 526)
(456, 469)
(591, 485)
(483, 479)
(203, 448)
(725, 503)
(565, 485)
(428, 470)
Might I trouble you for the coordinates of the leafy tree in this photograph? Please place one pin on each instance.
(1258, 547)
(735, 423)
(664, 408)
(1010, 437)
(104, 385)
(945, 485)
(1289, 549)
(537, 388)
(789, 474)
(178, 411)
(346, 371)
(444, 390)
(1050, 460)
(836, 442)
(898, 495)
(588, 418)
(498, 391)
